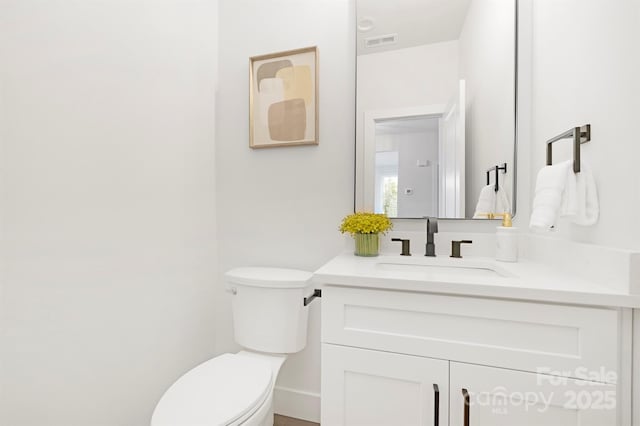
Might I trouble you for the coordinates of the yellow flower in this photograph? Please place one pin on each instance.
(365, 223)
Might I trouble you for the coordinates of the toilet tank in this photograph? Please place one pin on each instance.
(268, 310)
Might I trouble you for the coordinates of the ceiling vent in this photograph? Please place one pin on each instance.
(380, 41)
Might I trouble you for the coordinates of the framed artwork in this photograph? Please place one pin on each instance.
(283, 99)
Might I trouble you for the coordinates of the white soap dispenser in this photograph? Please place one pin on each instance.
(506, 240)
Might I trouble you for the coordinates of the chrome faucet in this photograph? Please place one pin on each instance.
(432, 228)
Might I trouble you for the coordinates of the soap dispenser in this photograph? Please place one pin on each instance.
(506, 240)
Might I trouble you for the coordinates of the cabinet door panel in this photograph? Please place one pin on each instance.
(371, 388)
(501, 397)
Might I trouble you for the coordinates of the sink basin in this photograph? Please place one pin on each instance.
(442, 266)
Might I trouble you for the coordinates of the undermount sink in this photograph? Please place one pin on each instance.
(441, 266)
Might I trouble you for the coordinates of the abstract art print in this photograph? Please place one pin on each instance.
(283, 99)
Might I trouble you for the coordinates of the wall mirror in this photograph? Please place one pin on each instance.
(436, 107)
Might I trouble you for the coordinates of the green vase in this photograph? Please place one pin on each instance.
(366, 244)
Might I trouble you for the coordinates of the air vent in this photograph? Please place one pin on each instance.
(380, 41)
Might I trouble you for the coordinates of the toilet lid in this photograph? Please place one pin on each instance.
(254, 276)
(217, 392)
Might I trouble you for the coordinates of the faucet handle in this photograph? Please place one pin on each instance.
(406, 246)
(455, 248)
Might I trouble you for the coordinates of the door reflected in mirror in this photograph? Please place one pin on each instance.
(435, 106)
(400, 141)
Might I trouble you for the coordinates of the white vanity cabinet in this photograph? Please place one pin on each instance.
(375, 388)
(520, 363)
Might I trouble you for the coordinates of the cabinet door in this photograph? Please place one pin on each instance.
(370, 388)
(498, 397)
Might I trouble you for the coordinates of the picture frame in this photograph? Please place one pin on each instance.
(283, 99)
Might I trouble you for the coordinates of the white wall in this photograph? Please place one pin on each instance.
(108, 215)
(283, 206)
(415, 76)
(422, 146)
(585, 70)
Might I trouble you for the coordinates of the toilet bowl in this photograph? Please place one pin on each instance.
(270, 321)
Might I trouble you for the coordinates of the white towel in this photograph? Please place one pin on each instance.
(491, 201)
(547, 200)
(502, 202)
(486, 202)
(580, 199)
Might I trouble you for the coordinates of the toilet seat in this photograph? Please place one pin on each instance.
(225, 390)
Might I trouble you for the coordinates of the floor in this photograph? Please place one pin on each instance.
(279, 420)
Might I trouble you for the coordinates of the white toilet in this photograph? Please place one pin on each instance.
(270, 321)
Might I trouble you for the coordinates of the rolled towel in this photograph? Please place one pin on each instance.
(486, 202)
(547, 200)
(580, 200)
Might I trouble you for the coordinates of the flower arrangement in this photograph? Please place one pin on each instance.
(365, 228)
(365, 223)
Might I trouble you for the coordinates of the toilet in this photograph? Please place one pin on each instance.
(270, 321)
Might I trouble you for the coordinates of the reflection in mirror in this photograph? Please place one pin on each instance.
(435, 107)
(406, 140)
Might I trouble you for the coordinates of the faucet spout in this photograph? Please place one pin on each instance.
(432, 228)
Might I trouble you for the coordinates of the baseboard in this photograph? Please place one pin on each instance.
(297, 403)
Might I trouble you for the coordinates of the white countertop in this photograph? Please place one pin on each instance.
(523, 280)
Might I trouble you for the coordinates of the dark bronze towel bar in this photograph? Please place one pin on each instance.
(495, 169)
(579, 135)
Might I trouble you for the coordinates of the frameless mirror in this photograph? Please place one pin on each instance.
(436, 107)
